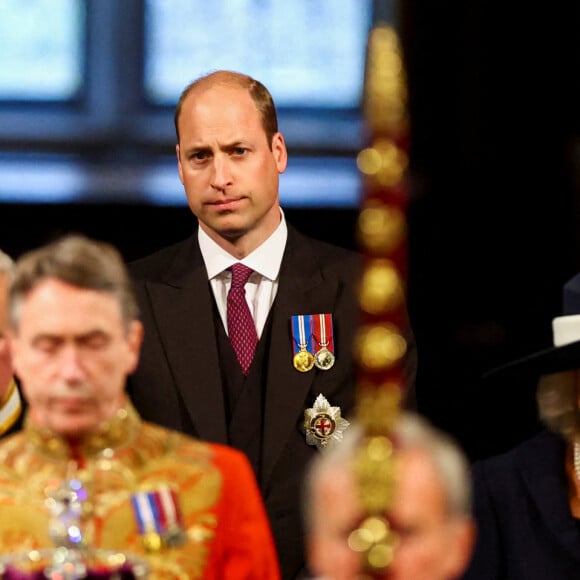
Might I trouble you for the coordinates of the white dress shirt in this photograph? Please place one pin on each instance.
(262, 286)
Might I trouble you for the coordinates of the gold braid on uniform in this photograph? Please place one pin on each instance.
(10, 407)
(380, 345)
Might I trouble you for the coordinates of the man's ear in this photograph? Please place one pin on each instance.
(463, 535)
(6, 368)
(280, 152)
(12, 346)
(179, 167)
(135, 340)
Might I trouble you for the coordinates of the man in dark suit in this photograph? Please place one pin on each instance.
(301, 294)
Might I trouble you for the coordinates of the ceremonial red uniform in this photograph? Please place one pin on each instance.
(225, 531)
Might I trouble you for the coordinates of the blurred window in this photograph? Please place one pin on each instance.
(41, 49)
(309, 53)
(88, 90)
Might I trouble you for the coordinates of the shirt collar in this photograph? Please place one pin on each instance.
(265, 259)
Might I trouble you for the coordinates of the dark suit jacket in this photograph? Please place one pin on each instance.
(526, 528)
(178, 381)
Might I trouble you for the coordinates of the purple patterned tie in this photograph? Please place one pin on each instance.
(241, 327)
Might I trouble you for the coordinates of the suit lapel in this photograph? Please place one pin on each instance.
(301, 291)
(183, 306)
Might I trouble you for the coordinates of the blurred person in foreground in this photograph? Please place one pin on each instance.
(527, 500)
(189, 508)
(430, 514)
(301, 295)
(10, 401)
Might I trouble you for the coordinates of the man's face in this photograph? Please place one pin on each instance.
(73, 354)
(430, 545)
(336, 515)
(225, 163)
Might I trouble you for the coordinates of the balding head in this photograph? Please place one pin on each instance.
(258, 92)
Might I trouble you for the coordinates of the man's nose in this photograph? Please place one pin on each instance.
(221, 177)
(71, 365)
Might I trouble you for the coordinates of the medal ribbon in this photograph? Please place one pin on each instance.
(302, 333)
(146, 513)
(156, 511)
(323, 331)
(169, 508)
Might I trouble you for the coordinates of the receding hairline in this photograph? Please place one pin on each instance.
(223, 78)
(259, 94)
(211, 80)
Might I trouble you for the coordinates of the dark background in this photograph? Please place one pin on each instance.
(493, 207)
(494, 212)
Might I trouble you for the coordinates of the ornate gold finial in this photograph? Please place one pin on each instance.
(380, 344)
(385, 90)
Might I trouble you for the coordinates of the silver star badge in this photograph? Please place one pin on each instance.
(323, 423)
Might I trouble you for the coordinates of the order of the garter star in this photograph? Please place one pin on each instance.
(323, 423)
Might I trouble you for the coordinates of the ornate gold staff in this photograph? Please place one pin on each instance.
(380, 344)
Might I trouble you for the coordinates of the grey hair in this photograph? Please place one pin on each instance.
(79, 261)
(556, 396)
(411, 432)
(6, 264)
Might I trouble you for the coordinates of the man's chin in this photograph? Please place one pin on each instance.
(230, 232)
(73, 427)
(231, 226)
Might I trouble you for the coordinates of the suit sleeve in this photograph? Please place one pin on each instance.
(249, 552)
(486, 562)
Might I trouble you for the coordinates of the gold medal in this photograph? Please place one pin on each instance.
(303, 361)
(324, 359)
(152, 542)
(322, 331)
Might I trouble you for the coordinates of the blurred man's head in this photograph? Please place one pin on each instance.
(431, 512)
(74, 333)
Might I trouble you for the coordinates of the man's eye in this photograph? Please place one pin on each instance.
(200, 156)
(96, 341)
(46, 345)
(239, 151)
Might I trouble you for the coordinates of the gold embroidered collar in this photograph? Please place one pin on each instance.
(115, 433)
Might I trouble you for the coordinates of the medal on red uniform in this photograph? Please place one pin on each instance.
(302, 340)
(158, 518)
(323, 424)
(322, 329)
